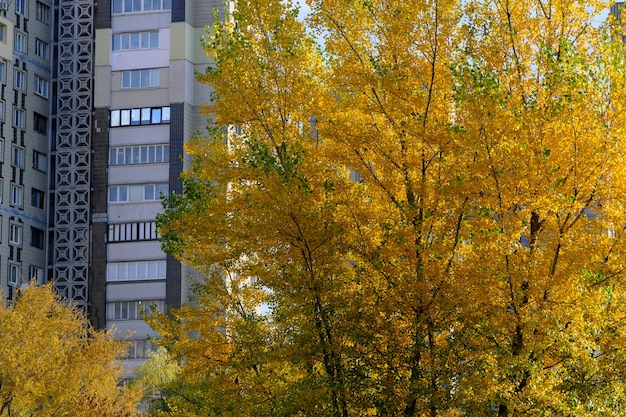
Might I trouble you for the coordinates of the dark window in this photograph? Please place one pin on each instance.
(36, 237)
(40, 123)
(37, 198)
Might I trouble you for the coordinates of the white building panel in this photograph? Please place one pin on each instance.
(131, 329)
(135, 22)
(133, 212)
(117, 291)
(140, 59)
(139, 135)
(139, 174)
(132, 251)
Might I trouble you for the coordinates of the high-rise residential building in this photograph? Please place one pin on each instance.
(97, 100)
(26, 96)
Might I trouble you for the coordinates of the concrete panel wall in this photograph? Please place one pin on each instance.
(139, 135)
(134, 22)
(142, 174)
(132, 251)
(126, 212)
(135, 329)
(118, 291)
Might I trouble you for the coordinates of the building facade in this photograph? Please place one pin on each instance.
(26, 96)
(97, 100)
(146, 103)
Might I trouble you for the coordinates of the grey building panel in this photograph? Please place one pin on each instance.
(178, 10)
(71, 212)
(102, 17)
(173, 283)
(97, 277)
(177, 139)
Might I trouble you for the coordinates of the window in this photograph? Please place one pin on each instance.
(148, 154)
(17, 194)
(40, 123)
(1, 111)
(17, 158)
(36, 238)
(19, 80)
(138, 192)
(41, 86)
(20, 7)
(3, 72)
(129, 271)
(18, 118)
(139, 40)
(138, 349)
(36, 273)
(140, 116)
(133, 310)
(127, 232)
(41, 49)
(43, 13)
(14, 274)
(40, 161)
(134, 6)
(15, 234)
(140, 78)
(20, 42)
(37, 198)
(3, 33)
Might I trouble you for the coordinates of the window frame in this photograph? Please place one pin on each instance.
(21, 7)
(123, 41)
(40, 123)
(132, 309)
(40, 242)
(19, 80)
(43, 13)
(148, 116)
(36, 273)
(140, 78)
(20, 43)
(17, 157)
(42, 87)
(13, 275)
(17, 195)
(130, 6)
(127, 193)
(19, 118)
(136, 271)
(41, 48)
(39, 159)
(15, 234)
(3, 71)
(38, 198)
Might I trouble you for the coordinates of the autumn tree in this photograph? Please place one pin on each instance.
(419, 213)
(52, 363)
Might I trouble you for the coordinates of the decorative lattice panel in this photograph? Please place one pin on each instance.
(73, 146)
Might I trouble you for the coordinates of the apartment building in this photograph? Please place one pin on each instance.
(26, 96)
(124, 100)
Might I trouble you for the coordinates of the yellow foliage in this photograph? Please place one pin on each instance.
(426, 198)
(52, 363)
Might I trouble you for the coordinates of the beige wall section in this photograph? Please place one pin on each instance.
(185, 43)
(6, 47)
(102, 47)
(102, 86)
(102, 71)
